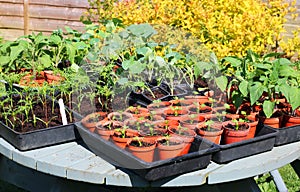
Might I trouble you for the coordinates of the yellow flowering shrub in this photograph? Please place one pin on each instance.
(228, 27)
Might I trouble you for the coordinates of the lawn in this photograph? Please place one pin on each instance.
(291, 179)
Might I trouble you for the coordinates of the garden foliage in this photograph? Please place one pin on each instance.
(228, 27)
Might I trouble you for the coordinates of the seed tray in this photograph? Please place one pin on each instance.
(39, 138)
(287, 135)
(198, 157)
(263, 141)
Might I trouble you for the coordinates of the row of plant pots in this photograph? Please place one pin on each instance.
(39, 78)
(180, 118)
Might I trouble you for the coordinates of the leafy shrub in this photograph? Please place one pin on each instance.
(228, 27)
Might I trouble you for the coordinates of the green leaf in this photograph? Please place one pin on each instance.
(71, 51)
(256, 91)
(45, 61)
(93, 41)
(85, 36)
(69, 30)
(263, 66)
(287, 71)
(123, 81)
(213, 58)
(284, 61)
(269, 55)
(137, 67)
(243, 87)
(268, 108)
(291, 94)
(221, 82)
(55, 39)
(74, 68)
(235, 62)
(15, 51)
(161, 62)
(4, 60)
(80, 45)
(126, 64)
(143, 51)
(144, 30)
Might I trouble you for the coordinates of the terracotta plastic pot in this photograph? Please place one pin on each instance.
(185, 134)
(181, 102)
(117, 116)
(92, 119)
(145, 153)
(106, 128)
(199, 99)
(138, 112)
(176, 113)
(191, 121)
(122, 140)
(198, 109)
(293, 121)
(158, 108)
(32, 80)
(53, 78)
(164, 124)
(213, 134)
(233, 135)
(167, 151)
(253, 124)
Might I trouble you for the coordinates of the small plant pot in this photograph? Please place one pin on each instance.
(274, 121)
(117, 116)
(185, 134)
(142, 148)
(192, 120)
(253, 122)
(169, 147)
(135, 126)
(158, 108)
(138, 112)
(232, 135)
(196, 109)
(213, 134)
(52, 78)
(165, 124)
(155, 134)
(292, 121)
(92, 119)
(106, 128)
(176, 114)
(121, 140)
(181, 102)
(229, 116)
(198, 99)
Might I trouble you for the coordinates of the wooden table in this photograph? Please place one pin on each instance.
(73, 162)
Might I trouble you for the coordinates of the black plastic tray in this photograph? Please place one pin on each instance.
(263, 141)
(287, 135)
(39, 138)
(198, 157)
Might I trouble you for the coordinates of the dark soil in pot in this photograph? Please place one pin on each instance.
(241, 126)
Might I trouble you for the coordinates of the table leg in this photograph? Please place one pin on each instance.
(296, 166)
(278, 181)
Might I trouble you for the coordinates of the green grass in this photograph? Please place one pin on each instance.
(291, 180)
